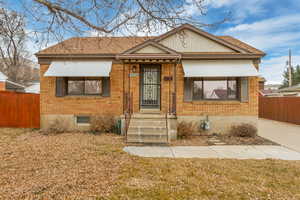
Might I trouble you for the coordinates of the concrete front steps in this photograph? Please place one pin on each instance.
(147, 128)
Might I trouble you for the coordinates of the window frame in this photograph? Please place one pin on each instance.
(192, 85)
(238, 96)
(77, 119)
(83, 79)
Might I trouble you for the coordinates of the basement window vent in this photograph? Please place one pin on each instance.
(82, 119)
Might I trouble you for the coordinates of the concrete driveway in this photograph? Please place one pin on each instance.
(286, 134)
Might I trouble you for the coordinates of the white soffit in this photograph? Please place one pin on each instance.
(219, 68)
(79, 68)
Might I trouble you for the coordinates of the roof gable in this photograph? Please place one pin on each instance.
(112, 47)
(188, 38)
(150, 47)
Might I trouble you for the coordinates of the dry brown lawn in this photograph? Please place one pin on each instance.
(85, 166)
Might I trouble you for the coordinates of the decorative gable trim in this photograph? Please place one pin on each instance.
(202, 33)
(150, 43)
(131, 53)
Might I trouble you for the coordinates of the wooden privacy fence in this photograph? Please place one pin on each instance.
(21, 110)
(284, 109)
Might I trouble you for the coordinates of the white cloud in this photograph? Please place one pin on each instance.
(273, 68)
(190, 9)
(277, 32)
(240, 9)
(268, 25)
(275, 36)
(221, 3)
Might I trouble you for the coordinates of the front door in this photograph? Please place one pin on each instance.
(150, 86)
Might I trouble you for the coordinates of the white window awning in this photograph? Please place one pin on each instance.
(79, 69)
(219, 68)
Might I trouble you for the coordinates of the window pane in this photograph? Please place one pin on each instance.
(232, 89)
(215, 89)
(82, 119)
(197, 90)
(93, 87)
(75, 87)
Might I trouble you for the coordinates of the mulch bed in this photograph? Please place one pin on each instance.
(221, 139)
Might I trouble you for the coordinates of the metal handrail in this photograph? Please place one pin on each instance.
(128, 110)
(173, 107)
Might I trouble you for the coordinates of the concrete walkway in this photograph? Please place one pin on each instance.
(286, 134)
(232, 152)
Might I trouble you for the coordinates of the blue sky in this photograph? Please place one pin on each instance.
(269, 25)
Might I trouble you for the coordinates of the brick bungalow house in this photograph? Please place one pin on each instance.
(151, 83)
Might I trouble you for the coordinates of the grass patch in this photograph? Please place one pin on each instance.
(86, 166)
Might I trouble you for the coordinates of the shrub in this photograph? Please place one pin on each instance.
(186, 129)
(243, 130)
(58, 125)
(102, 124)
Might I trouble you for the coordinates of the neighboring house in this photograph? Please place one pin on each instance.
(219, 94)
(7, 85)
(273, 86)
(33, 88)
(271, 89)
(290, 91)
(159, 80)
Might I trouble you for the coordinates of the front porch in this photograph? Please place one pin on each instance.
(150, 100)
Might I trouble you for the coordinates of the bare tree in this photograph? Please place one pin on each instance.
(59, 18)
(13, 56)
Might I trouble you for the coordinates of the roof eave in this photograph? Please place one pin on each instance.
(221, 56)
(152, 56)
(75, 55)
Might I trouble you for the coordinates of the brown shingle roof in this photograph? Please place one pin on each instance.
(94, 45)
(241, 44)
(116, 45)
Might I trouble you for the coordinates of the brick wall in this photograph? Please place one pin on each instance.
(223, 108)
(2, 86)
(76, 105)
(52, 105)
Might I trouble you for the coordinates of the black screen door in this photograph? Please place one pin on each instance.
(150, 86)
